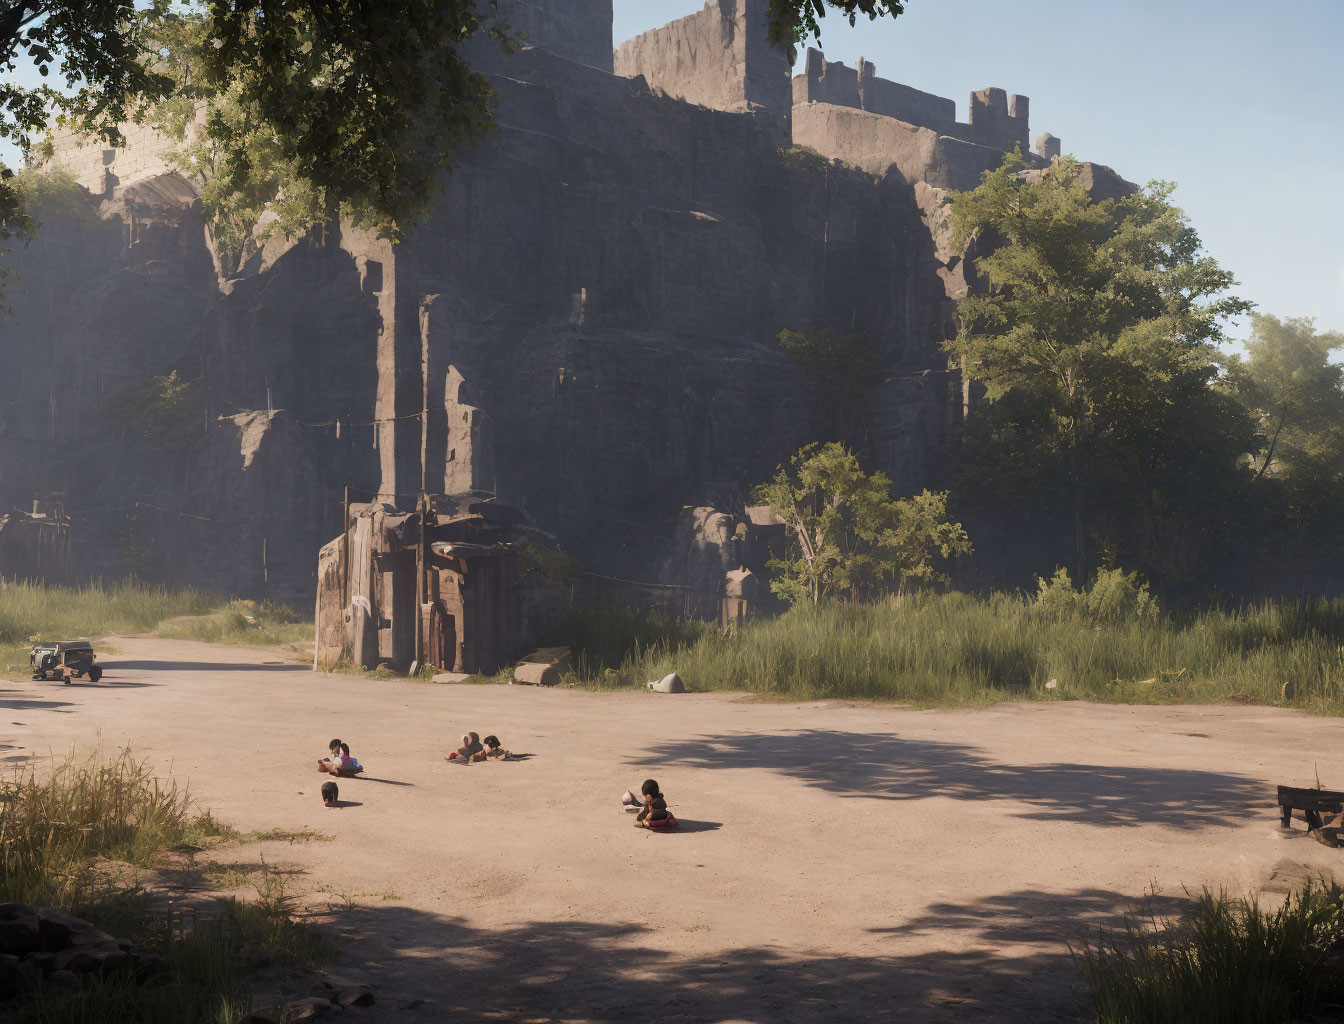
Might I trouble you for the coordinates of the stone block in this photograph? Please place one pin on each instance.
(533, 674)
(451, 677)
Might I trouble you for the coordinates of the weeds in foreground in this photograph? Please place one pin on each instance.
(1230, 961)
(958, 649)
(72, 837)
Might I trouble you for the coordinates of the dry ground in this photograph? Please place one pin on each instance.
(840, 862)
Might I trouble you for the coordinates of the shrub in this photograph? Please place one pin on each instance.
(1114, 596)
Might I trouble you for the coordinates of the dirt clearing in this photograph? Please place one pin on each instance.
(837, 862)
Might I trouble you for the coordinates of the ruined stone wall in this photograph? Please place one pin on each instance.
(719, 57)
(101, 168)
(994, 119)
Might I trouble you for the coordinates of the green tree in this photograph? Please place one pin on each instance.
(847, 535)
(1093, 312)
(361, 105)
(1296, 394)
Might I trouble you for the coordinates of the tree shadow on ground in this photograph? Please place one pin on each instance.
(18, 700)
(879, 766)
(429, 967)
(1034, 915)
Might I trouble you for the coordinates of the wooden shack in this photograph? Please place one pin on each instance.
(439, 586)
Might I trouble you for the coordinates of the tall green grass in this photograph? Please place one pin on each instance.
(266, 623)
(58, 613)
(70, 836)
(959, 649)
(32, 611)
(1230, 961)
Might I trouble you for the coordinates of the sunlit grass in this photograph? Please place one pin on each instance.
(958, 649)
(75, 834)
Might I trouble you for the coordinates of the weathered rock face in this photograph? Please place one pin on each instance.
(585, 325)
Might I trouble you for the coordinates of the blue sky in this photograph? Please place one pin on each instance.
(1235, 101)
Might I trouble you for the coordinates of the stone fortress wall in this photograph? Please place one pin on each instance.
(101, 168)
(718, 57)
(585, 324)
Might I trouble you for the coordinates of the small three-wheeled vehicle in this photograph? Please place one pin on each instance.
(68, 659)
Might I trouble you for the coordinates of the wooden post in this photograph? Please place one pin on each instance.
(420, 589)
(345, 552)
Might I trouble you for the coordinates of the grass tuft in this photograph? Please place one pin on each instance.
(1231, 961)
(73, 836)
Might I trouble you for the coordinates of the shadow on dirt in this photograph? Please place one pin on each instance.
(434, 968)
(886, 767)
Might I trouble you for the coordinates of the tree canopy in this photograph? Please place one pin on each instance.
(354, 107)
(1097, 331)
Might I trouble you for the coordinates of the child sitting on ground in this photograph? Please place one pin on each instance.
(331, 794)
(340, 761)
(655, 814)
(492, 749)
(349, 764)
(331, 764)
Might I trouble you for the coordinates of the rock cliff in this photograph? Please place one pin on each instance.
(585, 325)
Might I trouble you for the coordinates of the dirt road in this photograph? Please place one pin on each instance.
(839, 862)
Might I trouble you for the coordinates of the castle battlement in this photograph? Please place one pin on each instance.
(994, 118)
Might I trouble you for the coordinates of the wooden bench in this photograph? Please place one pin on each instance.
(1311, 802)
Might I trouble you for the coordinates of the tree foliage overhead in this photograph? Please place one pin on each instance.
(327, 106)
(1097, 332)
(847, 535)
(792, 21)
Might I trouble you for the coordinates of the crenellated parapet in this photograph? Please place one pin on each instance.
(994, 118)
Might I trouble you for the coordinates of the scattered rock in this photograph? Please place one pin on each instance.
(451, 677)
(11, 975)
(63, 979)
(49, 946)
(670, 683)
(561, 657)
(536, 674)
(354, 995)
(18, 932)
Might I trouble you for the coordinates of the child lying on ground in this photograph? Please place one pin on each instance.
(654, 814)
(471, 746)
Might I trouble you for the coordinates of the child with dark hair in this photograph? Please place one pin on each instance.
(492, 748)
(331, 794)
(348, 762)
(654, 814)
(331, 764)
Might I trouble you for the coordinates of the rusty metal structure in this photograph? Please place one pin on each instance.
(440, 586)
